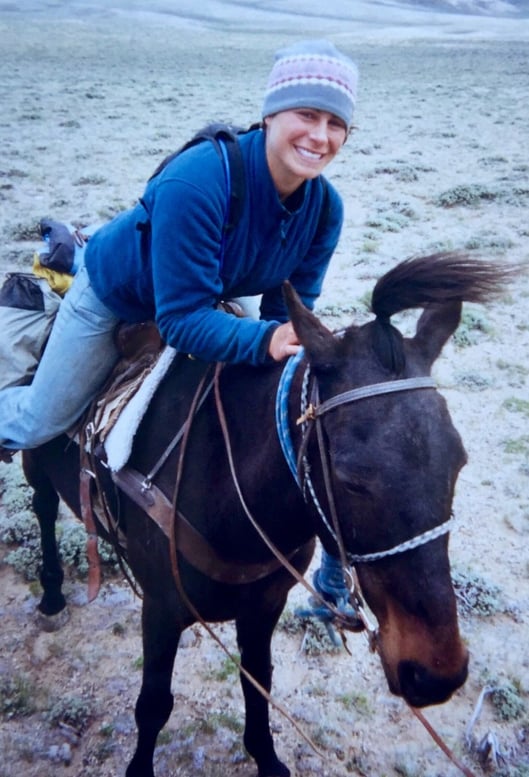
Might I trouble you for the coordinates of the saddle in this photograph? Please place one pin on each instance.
(144, 357)
(140, 346)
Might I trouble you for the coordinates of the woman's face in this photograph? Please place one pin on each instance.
(299, 144)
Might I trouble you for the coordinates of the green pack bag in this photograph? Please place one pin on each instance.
(28, 308)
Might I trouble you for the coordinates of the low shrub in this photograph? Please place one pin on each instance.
(465, 194)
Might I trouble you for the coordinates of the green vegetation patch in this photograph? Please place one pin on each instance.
(477, 596)
(516, 373)
(517, 405)
(17, 697)
(355, 701)
(24, 232)
(488, 242)
(314, 636)
(472, 326)
(508, 702)
(75, 711)
(20, 532)
(228, 669)
(466, 194)
(517, 445)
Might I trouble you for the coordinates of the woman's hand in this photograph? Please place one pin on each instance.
(284, 342)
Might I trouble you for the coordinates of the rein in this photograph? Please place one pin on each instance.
(285, 562)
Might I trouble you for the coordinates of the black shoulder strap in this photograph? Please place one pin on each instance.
(227, 134)
(235, 171)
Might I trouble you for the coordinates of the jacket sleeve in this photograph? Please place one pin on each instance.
(187, 216)
(308, 276)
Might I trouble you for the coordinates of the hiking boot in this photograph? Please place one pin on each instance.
(329, 581)
(61, 246)
(6, 455)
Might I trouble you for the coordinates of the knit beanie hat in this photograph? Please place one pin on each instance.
(312, 74)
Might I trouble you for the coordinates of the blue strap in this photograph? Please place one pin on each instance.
(228, 199)
(282, 420)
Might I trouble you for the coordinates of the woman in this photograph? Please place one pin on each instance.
(176, 271)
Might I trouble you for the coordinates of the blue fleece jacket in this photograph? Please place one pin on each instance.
(173, 273)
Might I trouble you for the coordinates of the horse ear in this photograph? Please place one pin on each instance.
(318, 341)
(436, 324)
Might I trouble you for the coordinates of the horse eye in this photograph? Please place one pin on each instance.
(357, 489)
(357, 481)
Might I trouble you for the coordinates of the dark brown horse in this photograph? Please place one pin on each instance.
(382, 467)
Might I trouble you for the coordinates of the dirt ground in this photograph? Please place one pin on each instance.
(93, 98)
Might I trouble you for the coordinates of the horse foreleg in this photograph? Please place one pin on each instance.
(155, 702)
(254, 633)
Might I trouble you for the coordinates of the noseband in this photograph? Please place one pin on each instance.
(311, 414)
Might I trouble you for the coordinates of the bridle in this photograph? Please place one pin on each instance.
(311, 413)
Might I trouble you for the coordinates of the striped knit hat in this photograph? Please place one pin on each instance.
(312, 74)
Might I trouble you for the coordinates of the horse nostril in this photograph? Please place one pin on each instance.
(420, 687)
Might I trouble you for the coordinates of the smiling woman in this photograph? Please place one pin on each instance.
(185, 259)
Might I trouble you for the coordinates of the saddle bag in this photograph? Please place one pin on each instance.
(28, 308)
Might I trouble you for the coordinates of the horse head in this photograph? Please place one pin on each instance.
(393, 461)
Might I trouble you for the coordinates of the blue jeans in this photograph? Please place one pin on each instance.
(77, 360)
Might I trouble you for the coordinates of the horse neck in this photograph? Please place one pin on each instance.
(248, 400)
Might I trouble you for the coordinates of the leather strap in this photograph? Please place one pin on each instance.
(189, 542)
(92, 552)
(373, 390)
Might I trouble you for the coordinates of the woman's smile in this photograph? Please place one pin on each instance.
(308, 154)
(300, 143)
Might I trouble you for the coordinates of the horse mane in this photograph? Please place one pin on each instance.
(442, 277)
(388, 345)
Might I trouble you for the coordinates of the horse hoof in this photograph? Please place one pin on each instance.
(278, 770)
(51, 623)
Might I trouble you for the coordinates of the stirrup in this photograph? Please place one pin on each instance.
(328, 581)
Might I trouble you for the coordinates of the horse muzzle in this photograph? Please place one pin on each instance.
(421, 687)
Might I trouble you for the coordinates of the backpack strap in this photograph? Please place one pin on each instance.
(224, 139)
(235, 178)
(212, 132)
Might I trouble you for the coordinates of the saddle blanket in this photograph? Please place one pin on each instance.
(118, 441)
